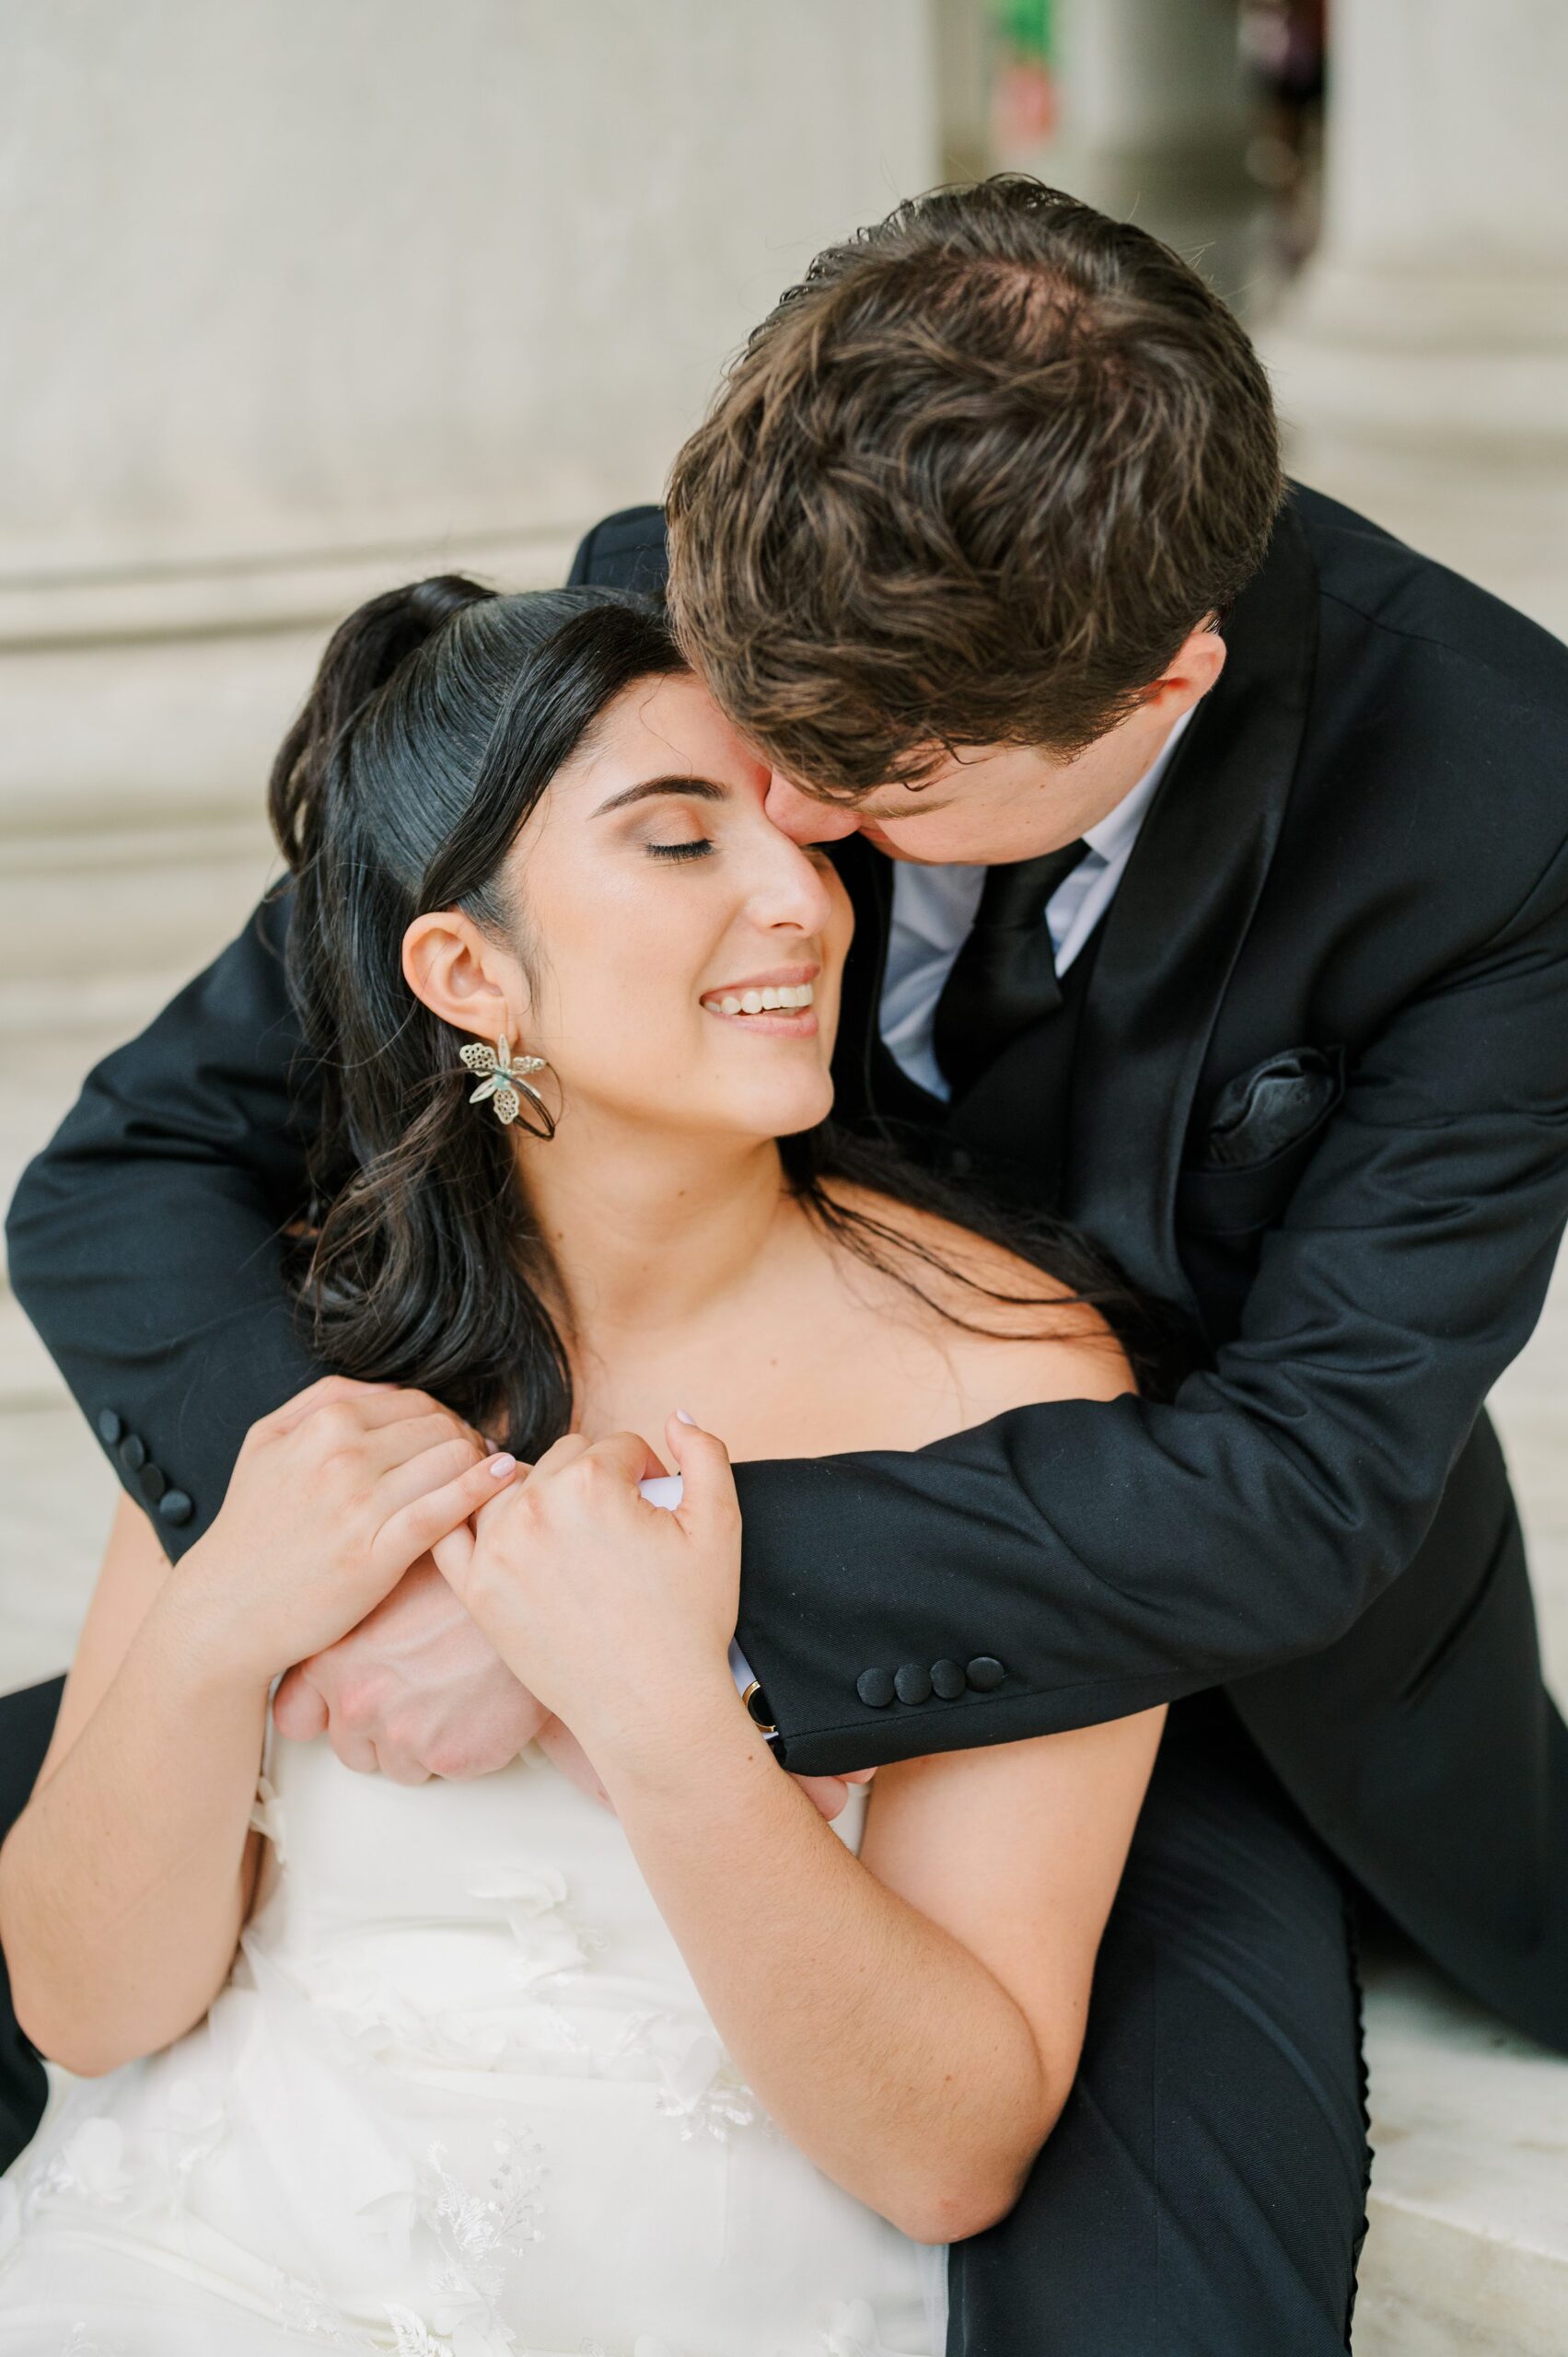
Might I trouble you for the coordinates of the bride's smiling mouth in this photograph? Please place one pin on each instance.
(778, 1003)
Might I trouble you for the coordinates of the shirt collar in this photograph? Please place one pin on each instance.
(1114, 835)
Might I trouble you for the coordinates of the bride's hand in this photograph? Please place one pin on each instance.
(616, 1613)
(333, 1496)
(826, 1794)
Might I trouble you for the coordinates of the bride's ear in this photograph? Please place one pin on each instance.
(463, 976)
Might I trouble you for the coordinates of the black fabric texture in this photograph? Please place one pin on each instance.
(1004, 977)
(27, 1722)
(1204, 2191)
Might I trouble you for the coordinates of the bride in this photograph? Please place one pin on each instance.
(489, 2067)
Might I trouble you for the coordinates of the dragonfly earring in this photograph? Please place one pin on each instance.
(506, 1084)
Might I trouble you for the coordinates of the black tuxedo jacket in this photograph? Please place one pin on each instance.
(1320, 1100)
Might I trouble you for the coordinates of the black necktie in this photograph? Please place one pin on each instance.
(1005, 976)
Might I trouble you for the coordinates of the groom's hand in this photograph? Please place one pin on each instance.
(414, 1692)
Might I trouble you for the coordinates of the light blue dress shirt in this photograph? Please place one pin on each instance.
(933, 910)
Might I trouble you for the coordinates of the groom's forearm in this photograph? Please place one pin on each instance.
(896, 1605)
(1103, 1556)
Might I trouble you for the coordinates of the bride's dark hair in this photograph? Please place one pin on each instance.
(439, 718)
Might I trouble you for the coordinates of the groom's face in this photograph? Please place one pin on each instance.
(991, 804)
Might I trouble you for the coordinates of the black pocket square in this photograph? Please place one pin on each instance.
(1263, 1112)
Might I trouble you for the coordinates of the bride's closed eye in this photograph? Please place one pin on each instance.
(698, 849)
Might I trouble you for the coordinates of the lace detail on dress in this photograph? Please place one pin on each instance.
(414, 2337)
(481, 2234)
(478, 2234)
(305, 2308)
(533, 1901)
(700, 2085)
(853, 2332)
(99, 2164)
(192, 2124)
(267, 1817)
(705, 2092)
(344, 2121)
(92, 2164)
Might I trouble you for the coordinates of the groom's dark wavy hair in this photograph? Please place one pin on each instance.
(439, 716)
(972, 481)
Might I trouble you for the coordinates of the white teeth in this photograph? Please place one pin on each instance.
(782, 999)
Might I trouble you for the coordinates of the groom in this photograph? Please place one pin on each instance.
(1211, 861)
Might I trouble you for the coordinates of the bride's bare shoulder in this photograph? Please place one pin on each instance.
(1011, 1330)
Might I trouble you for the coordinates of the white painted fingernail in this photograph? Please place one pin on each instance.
(683, 1418)
(500, 1466)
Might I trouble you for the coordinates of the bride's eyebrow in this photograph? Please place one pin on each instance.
(699, 789)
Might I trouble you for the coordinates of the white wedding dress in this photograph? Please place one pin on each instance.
(460, 2098)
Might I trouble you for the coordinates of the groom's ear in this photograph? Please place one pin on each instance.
(463, 976)
(1190, 673)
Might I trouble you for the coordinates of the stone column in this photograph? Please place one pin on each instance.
(1152, 123)
(303, 300)
(304, 297)
(1422, 359)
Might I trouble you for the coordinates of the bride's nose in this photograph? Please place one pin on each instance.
(789, 885)
(802, 817)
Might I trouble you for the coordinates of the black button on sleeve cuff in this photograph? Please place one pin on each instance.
(875, 1687)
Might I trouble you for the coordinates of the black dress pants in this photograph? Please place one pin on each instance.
(1203, 2194)
(27, 1722)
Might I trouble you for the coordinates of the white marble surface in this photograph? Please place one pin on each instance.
(316, 299)
(1468, 2253)
(1421, 361)
(300, 279)
(1469, 2246)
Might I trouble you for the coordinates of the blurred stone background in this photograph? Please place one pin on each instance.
(300, 301)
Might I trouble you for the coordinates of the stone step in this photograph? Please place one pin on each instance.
(55, 1025)
(87, 912)
(29, 1378)
(1467, 2254)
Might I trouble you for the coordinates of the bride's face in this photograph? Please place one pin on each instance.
(681, 956)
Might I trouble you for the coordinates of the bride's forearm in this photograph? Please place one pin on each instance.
(125, 1882)
(882, 2047)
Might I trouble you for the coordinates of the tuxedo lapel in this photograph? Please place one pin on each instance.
(866, 1077)
(1163, 953)
(1181, 914)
